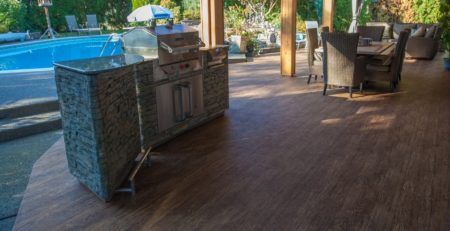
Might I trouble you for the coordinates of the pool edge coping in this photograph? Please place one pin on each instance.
(48, 70)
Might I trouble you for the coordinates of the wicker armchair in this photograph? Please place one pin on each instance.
(391, 72)
(373, 32)
(404, 45)
(341, 66)
(314, 61)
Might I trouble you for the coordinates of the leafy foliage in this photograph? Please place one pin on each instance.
(423, 11)
(445, 24)
(175, 7)
(426, 11)
(11, 15)
(26, 15)
(343, 15)
(191, 9)
(138, 3)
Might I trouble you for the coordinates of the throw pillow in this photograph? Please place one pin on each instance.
(430, 32)
(419, 32)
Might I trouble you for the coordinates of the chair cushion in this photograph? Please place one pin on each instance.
(420, 32)
(318, 56)
(430, 32)
(317, 63)
(399, 27)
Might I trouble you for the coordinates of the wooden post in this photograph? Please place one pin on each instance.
(217, 23)
(205, 16)
(288, 32)
(328, 13)
(212, 22)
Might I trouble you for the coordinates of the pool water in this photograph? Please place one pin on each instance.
(42, 54)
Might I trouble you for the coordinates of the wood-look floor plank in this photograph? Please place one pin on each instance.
(284, 157)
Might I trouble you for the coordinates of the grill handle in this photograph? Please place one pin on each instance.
(178, 50)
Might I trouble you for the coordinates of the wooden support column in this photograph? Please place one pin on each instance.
(288, 32)
(205, 18)
(212, 22)
(328, 13)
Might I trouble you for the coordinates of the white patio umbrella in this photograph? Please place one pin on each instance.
(149, 12)
(356, 11)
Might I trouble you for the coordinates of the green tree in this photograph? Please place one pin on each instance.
(12, 15)
(175, 7)
(427, 11)
(138, 3)
(342, 15)
(191, 9)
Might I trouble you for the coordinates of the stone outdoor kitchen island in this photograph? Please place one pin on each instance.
(114, 108)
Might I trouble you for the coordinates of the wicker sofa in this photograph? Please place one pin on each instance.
(422, 47)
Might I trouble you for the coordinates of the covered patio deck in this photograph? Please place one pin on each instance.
(283, 157)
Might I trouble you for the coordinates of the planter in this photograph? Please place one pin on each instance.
(238, 43)
(447, 64)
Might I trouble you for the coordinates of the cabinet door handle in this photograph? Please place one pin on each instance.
(178, 106)
(188, 86)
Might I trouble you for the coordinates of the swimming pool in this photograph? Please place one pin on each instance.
(40, 55)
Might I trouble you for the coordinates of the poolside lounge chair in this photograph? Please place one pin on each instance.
(92, 23)
(72, 24)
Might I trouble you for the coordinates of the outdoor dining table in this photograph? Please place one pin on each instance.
(376, 48)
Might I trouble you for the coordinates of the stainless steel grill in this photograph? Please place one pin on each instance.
(169, 43)
(178, 60)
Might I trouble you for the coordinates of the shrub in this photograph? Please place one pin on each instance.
(343, 15)
(12, 15)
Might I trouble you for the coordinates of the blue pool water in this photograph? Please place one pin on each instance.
(42, 54)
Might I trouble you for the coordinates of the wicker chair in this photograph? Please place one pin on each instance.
(341, 66)
(406, 38)
(314, 61)
(391, 72)
(373, 32)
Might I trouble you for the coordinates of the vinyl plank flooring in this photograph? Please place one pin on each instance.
(283, 157)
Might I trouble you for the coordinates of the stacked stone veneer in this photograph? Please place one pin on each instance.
(101, 126)
(108, 117)
(146, 95)
(215, 89)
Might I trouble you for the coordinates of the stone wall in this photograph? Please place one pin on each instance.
(215, 89)
(146, 95)
(101, 126)
(109, 117)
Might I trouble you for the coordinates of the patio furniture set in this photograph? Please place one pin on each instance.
(92, 24)
(353, 59)
(424, 40)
